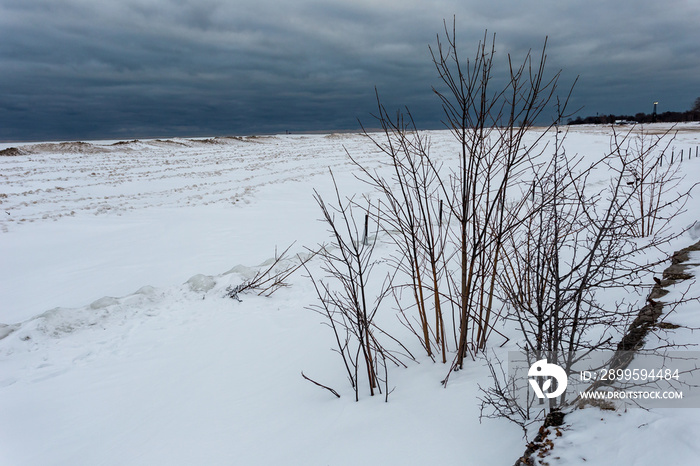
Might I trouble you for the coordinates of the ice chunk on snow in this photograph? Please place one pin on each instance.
(201, 283)
(244, 271)
(104, 302)
(5, 330)
(147, 290)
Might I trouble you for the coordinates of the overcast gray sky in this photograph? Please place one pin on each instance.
(86, 69)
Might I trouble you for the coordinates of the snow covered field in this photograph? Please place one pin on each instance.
(115, 358)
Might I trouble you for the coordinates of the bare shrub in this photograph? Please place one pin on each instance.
(651, 185)
(411, 214)
(345, 300)
(580, 240)
(451, 225)
(270, 279)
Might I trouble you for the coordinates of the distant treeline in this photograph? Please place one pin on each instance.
(690, 115)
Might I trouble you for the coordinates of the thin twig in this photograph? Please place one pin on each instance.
(320, 385)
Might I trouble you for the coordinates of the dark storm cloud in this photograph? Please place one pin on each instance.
(133, 68)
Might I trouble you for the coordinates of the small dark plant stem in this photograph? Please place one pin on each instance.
(320, 385)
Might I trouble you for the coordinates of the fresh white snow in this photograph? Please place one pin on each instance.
(116, 358)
